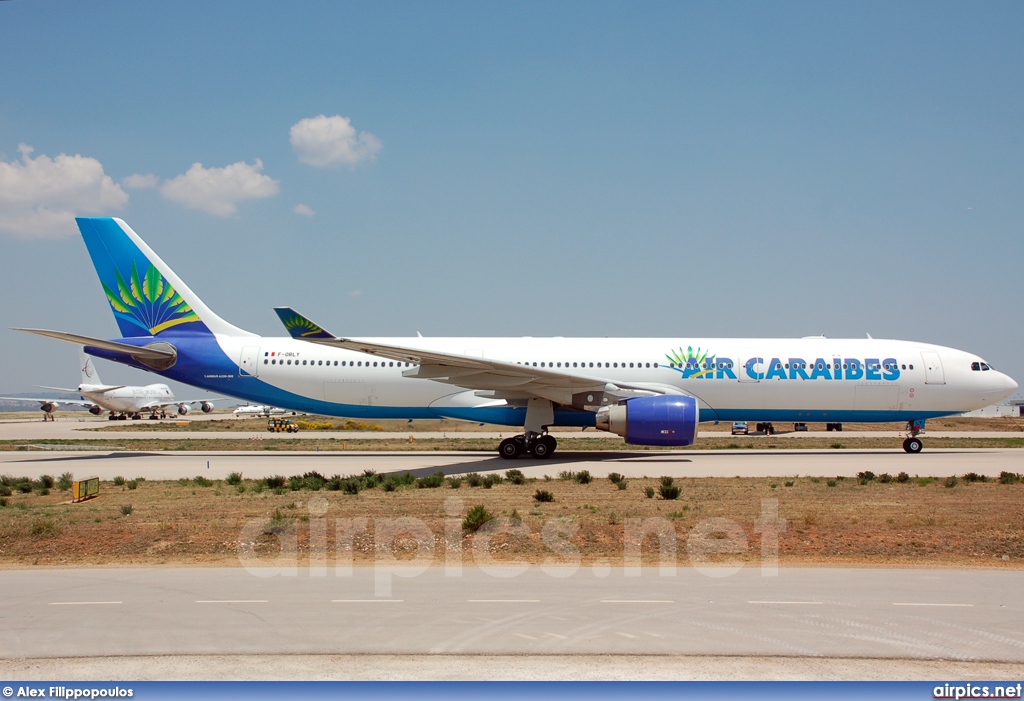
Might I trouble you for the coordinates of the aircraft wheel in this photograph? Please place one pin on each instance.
(511, 448)
(913, 445)
(543, 447)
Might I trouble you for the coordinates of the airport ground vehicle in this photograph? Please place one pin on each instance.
(282, 425)
(799, 426)
(834, 427)
(740, 427)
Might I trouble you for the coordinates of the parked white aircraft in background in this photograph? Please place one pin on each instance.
(121, 401)
(651, 391)
(261, 410)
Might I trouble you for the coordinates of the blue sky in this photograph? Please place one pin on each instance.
(483, 168)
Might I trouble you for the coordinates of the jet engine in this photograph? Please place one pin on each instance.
(666, 420)
(95, 410)
(49, 407)
(206, 407)
(183, 409)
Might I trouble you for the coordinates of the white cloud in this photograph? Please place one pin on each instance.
(304, 210)
(137, 181)
(40, 197)
(332, 141)
(355, 293)
(218, 191)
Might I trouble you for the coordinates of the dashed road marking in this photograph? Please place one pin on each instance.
(83, 603)
(367, 601)
(503, 601)
(925, 604)
(786, 603)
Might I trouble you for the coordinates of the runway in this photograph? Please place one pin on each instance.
(904, 614)
(168, 465)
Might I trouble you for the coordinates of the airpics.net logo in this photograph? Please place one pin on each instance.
(977, 691)
(407, 547)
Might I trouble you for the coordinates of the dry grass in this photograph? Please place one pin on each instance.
(171, 523)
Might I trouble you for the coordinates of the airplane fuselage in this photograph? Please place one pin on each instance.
(127, 400)
(810, 379)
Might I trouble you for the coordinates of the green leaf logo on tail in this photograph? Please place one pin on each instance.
(148, 302)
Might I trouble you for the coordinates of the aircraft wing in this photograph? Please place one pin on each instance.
(73, 402)
(496, 379)
(179, 402)
(139, 352)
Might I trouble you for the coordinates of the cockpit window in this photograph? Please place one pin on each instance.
(976, 366)
(980, 366)
(986, 366)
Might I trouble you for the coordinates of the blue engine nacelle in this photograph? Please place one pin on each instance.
(667, 420)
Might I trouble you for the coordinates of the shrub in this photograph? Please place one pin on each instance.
(234, 478)
(491, 480)
(5, 491)
(885, 478)
(258, 487)
(126, 509)
(335, 483)
(903, 478)
(352, 485)
(924, 481)
(866, 476)
(543, 496)
(454, 482)
(278, 524)
(831, 483)
(974, 477)
(201, 481)
(44, 527)
(515, 476)
(240, 488)
(44, 491)
(430, 481)
(24, 487)
(132, 484)
(583, 477)
(669, 491)
(295, 482)
(649, 492)
(789, 483)
(183, 481)
(621, 485)
(47, 481)
(8, 480)
(313, 481)
(667, 481)
(65, 481)
(389, 484)
(274, 482)
(118, 481)
(615, 478)
(950, 482)
(3, 502)
(476, 517)
(1008, 477)
(836, 446)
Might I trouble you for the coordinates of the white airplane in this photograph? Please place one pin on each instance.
(261, 410)
(121, 401)
(651, 391)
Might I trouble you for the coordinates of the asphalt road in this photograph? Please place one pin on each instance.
(747, 463)
(882, 613)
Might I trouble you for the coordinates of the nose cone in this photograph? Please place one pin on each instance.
(1011, 385)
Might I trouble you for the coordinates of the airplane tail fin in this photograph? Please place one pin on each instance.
(89, 374)
(144, 294)
(299, 326)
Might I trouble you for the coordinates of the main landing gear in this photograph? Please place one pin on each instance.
(913, 444)
(540, 413)
(539, 446)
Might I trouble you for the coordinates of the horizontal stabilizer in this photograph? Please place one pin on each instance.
(299, 326)
(142, 353)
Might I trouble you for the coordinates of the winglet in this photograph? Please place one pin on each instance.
(299, 326)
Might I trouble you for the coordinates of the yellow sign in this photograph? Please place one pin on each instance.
(85, 489)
